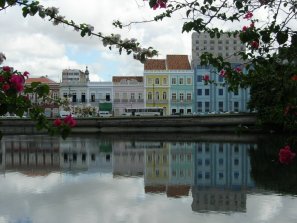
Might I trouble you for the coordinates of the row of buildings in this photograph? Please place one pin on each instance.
(218, 174)
(172, 83)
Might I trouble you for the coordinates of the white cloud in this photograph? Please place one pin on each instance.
(34, 44)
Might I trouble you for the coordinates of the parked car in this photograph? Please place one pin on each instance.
(104, 114)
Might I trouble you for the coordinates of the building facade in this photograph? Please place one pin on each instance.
(215, 97)
(83, 94)
(128, 92)
(169, 84)
(51, 109)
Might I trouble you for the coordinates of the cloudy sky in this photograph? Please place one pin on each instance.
(35, 45)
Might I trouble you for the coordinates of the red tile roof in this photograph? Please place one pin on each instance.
(155, 64)
(43, 80)
(178, 62)
(172, 62)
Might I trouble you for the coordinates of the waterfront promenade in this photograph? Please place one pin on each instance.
(185, 124)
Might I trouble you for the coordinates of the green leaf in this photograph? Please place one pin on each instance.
(188, 12)
(282, 37)
(2, 3)
(238, 4)
(11, 2)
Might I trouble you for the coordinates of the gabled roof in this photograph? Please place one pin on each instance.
(178, 62)
(155, 64)
(42, 79)
(172, 62)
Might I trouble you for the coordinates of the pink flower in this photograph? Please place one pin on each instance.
(255, 44)
(285, 155)
(57, 122)
(238, 69)
(1, 79)
(206, 77)
(6, 69)
(244, 28)
(5, 87)
(222, 73)
(26, 74)
(18, 82)
(160, 3)
(252, 25)
(68, 120)
(248, 15)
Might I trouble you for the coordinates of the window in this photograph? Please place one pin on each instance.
(181, 96)
(236, 175)
(65, 95)
(236, 162)
(207, 162)
(181, 81)
(221, 148)
(236, 106)
(149, 96)
(199, 78)
(164, 95)
(199, 91)
(235, 41)
(206, 104)
(173, 96)
(221, 106)
(157, 95)
(165, 81)
(221, 79)
(173, 80)
(199, 106)
(93, 97)
(235, 93)
(150, 81)
(55, 95)
(139, 95)
(189, 96)
(157, 81)
(189, 80)
(206, 92)
(107, 97)
(221, 91)
(199, 162)
(221, 175)
(132, 96)
(221, 161)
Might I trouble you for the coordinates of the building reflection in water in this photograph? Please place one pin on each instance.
(217, 175)
(42, 156)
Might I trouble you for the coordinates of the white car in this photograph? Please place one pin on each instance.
(104, 114)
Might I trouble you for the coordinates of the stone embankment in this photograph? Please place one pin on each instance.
(185, 124)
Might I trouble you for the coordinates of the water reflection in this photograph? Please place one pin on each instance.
(129, 176)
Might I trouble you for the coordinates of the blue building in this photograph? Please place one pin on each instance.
(215, 97)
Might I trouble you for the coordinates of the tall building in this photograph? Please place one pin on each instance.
(128, 92)
(224, 46)
(168, 83)
(215, 97)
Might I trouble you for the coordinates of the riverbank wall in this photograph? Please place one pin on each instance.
(185, 124)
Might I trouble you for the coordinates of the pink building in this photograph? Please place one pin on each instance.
(128, 92)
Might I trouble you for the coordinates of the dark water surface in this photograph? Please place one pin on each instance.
(146, 178)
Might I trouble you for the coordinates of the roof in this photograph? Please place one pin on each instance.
(178, 62)
(119, 78)
(155, 64)
(172, 62)
(42, 79)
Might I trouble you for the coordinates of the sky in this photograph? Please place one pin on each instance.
(35, 45)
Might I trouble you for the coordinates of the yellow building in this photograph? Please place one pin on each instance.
(156, 84)
(158, 76)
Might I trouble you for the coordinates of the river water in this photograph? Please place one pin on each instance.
(146, 178)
